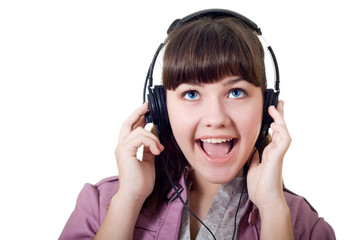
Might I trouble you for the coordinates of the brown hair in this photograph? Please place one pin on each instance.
(208, 49)
(203, 51)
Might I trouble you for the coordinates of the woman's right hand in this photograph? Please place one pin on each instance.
(137, 178)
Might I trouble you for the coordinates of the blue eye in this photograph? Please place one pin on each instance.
(191, 95)
(237, 93)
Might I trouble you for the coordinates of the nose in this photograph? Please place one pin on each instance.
(215, 114)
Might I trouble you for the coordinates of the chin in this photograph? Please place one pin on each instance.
(221, 176)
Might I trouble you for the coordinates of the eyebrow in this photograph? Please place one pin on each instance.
(233, 81)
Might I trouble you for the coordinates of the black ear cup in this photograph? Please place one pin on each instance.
(270, 98)
(158, 114)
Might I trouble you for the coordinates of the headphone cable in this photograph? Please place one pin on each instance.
(237, 209)
(178, 194)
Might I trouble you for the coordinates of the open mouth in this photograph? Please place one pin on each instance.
(217, 147)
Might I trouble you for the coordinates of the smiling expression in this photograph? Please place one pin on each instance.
(216, 125)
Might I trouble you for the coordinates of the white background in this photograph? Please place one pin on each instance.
(72, 71)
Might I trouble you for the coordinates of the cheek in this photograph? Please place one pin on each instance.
(182, 125)
(249, 121)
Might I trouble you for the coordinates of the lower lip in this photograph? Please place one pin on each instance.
(218, 160)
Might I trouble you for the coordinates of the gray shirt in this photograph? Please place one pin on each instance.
(221, 216)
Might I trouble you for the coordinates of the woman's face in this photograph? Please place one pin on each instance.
(216, 125)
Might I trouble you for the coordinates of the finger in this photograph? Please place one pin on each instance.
(277, 114)
(148, 154)
(130, 147)
(141, 132)
(141, 123)
(135, 119)
(280, 132)
(150, 146)
(281, 129)
(280, 107)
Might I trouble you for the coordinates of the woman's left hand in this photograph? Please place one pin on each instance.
(264, 179)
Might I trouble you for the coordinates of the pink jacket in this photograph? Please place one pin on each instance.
(94, 200)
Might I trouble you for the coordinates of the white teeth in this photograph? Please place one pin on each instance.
(215, 140)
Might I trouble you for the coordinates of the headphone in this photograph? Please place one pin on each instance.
(158, 114)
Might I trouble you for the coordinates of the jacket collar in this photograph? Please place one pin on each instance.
(166, 222)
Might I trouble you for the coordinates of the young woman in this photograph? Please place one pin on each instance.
(214, 81)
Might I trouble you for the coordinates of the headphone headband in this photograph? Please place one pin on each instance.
(213, 13)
